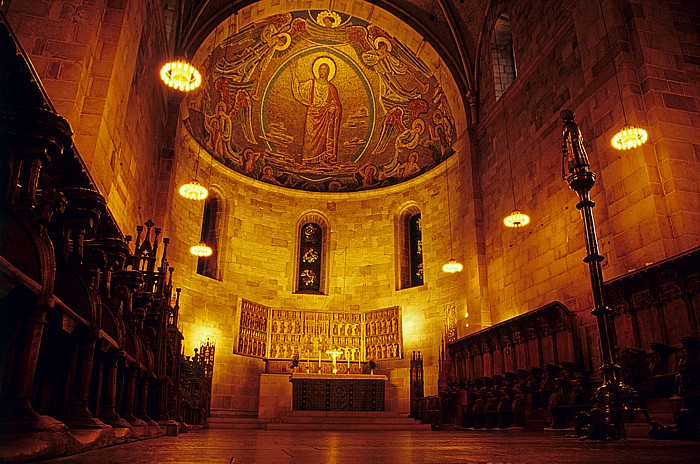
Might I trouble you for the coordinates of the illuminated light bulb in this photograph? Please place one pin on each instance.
(466, 325)
(193, 190)
(516, 219)
(452, 266)
(201, 250)
(629, 137)
(180, 75)
(466, 315)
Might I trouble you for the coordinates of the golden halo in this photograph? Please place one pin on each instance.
(328, 14)
(287, 41)
(329, 62)
(383, 40)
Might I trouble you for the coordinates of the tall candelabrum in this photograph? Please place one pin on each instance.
(605, 421)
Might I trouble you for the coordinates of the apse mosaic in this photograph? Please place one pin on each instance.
(320, 101)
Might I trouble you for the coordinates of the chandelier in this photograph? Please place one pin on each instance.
(193, 190)
(201, 250)
(452, 265)
(180, 75)
(516, 219)
(629, 136)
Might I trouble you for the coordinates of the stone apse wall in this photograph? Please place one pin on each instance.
(258, 258)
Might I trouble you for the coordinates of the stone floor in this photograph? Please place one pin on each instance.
(279, 447)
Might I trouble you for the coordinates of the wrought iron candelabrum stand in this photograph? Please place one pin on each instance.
(604, 421)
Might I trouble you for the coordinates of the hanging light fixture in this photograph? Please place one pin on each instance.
(201, 250)
(516, 218)
(193, 190)
(630, 136)
(452, 265)
(180, 75)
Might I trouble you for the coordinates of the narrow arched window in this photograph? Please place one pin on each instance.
(502, 55)
(415, 238)
(211, 232)
(411, 249)
(310, 258)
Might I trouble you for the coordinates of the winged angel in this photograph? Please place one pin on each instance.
(246, 56)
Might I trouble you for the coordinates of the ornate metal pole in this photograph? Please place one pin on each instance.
(604, 422)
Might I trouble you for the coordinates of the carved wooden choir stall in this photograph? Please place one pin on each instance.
(88, 316)
(537, 370)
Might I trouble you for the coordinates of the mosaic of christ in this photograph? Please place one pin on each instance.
(320, 101)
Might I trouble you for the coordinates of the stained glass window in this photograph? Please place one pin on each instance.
(415, 239)
(211, 229)
(310, 258)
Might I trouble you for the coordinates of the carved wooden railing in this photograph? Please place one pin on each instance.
(543, 336)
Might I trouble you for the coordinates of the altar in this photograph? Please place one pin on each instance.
(348, 392)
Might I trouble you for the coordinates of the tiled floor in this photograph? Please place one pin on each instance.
(263, 446)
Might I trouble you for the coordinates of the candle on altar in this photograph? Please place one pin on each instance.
(347, 358)
(319, 359)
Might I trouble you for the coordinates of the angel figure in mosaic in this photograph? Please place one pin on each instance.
(327, 27)
(252, 49)
(402, 77)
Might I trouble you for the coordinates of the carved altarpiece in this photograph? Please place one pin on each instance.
(284, 334)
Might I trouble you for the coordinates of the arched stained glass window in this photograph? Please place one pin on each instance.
(410, 252)
(415, 238)
(310, 258)
(211, 231)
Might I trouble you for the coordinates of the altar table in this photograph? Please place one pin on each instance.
(337, 392)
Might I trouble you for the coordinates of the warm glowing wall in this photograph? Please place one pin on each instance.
(258, 264)
(647, 199)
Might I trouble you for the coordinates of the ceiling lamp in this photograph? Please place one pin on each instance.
(193, 190)
(452, 265)
(180, 75)
(516, 219)
(629, 136)
(201, 250)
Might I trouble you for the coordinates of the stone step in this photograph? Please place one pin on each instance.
(233, 413)
(230, 422)
(349, 414)
(339, 426)
(348, 420)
